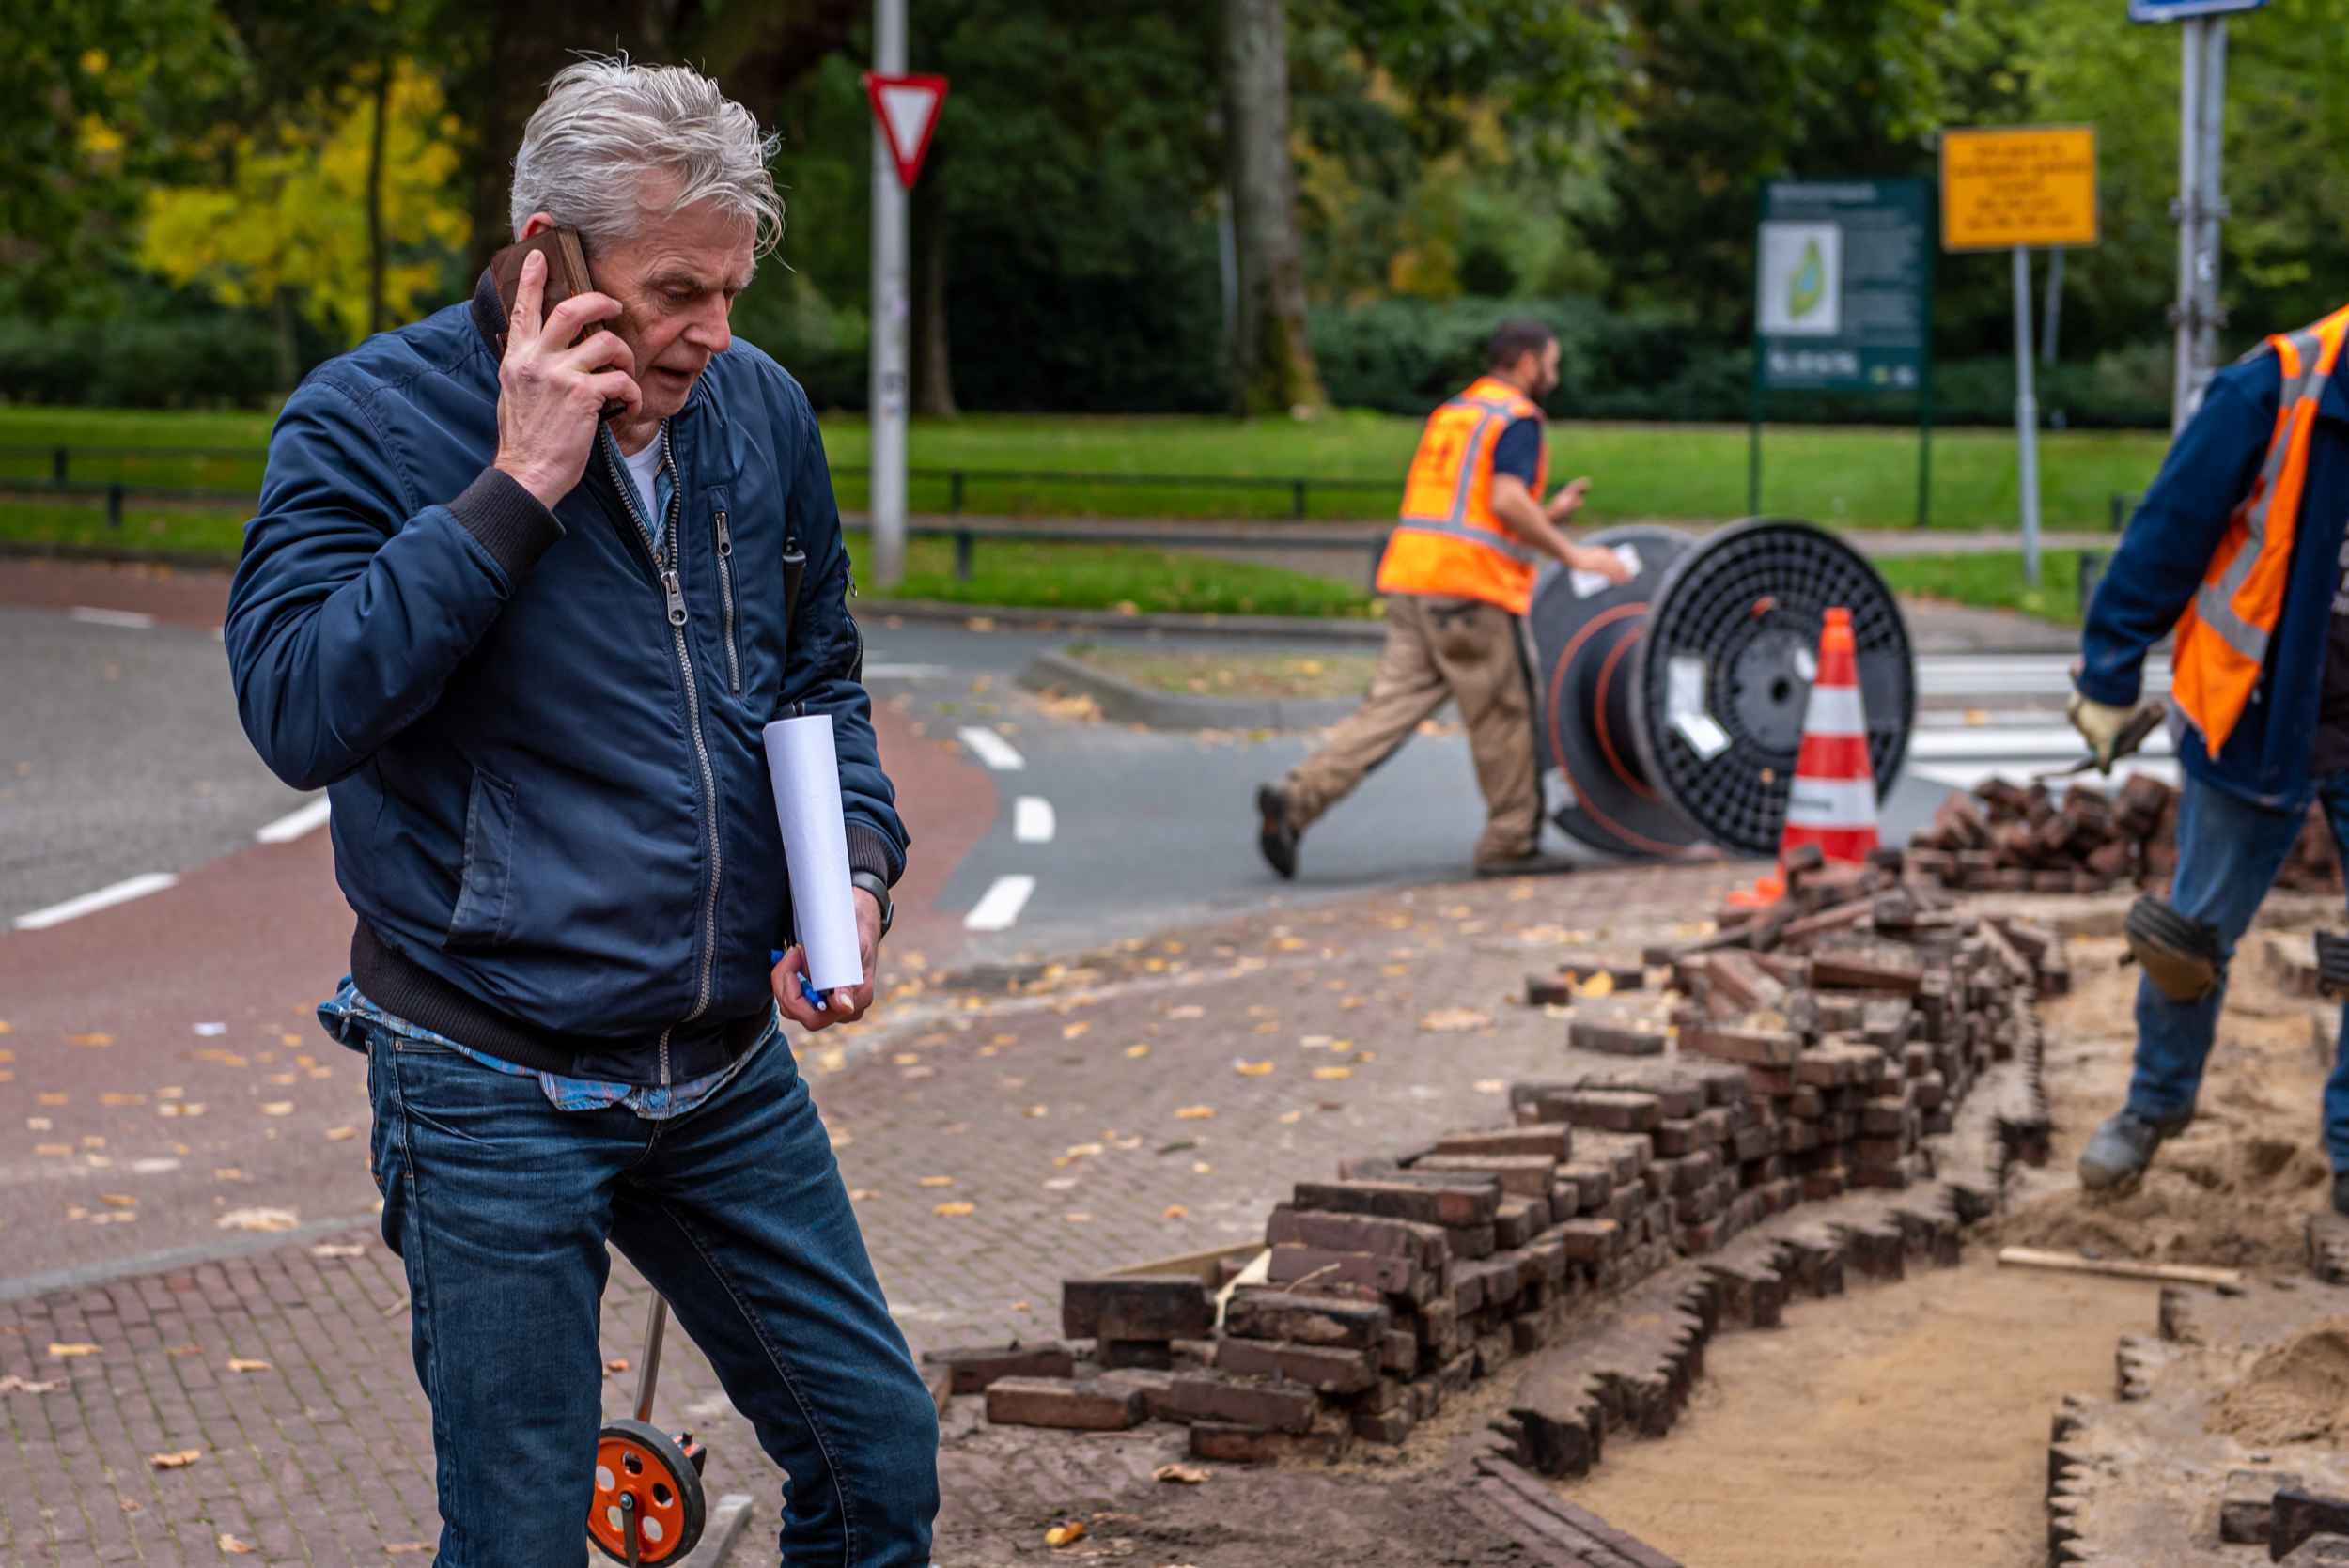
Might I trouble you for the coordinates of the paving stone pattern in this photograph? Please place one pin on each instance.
(325, 1456)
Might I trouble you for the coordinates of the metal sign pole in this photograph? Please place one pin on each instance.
(2182, 388)
(890, 320)
(2210, 207)
(2026, 419)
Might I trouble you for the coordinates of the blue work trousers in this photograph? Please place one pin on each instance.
(2228, 852)
(501, 1205)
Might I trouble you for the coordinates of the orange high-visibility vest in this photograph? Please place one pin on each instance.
(1449, 542)
(2222, 636)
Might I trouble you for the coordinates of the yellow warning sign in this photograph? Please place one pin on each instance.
(2020, 185)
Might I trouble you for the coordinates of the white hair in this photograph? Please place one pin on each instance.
(608, 124)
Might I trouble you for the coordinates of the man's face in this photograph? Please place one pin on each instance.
(676, 283)
(1545, 380)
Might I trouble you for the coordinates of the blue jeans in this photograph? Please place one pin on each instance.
(2228, 852)
(501, 1205)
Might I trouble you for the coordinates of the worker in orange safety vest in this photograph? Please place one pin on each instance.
(1459, 577)
(2238, 546)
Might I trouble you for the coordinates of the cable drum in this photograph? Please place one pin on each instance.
(1671, 708)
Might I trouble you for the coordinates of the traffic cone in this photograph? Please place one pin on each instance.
(1833, 801)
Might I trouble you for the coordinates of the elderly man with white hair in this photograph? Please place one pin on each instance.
(521, 593)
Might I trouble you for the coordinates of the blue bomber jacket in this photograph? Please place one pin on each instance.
(552, 810)
(2168, 547)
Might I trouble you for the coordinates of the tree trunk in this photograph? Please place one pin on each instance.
(375, 202)
(933, 364)
(1272, 352)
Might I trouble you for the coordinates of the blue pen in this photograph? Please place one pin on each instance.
(814, 998)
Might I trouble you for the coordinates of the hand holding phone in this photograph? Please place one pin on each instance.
(560, 373)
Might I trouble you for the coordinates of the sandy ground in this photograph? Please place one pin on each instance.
(1908, 1423)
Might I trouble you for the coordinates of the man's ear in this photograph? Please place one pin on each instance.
(538, 224)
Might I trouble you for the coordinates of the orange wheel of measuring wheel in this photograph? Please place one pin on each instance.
(648, 1505)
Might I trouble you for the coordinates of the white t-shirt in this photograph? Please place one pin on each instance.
(644, 469)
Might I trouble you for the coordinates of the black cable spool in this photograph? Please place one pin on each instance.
(1670, 708)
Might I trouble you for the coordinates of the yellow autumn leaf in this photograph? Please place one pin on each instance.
(1061, 1535)
(1600, 985)
(1333, 1072)
(1069, 1031)
(937, 1181)
(239, 1364)
(1137, 1050)
(954, 1210)
(1194, 1113)
(64, 1350)
(1252, 1069)
(1176, 1211)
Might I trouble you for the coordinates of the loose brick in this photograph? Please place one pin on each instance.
(1471, 1241)
(1135, 1307)
(1090, 1406)
(1328, 1369)
(1624, 1035)
(1202, 1396)
(1553, 1139)
(1356, 1233)
(1592, 1183)
(1399, 1200)
(1520, 1175)
(1589, 1240)
(1230, 1443)
(1400, 1355)
(1392, 1276)
(1267, 1314)
(1761, 1047)
(973, 1367)
(1391, 1426)
(1152, 1384)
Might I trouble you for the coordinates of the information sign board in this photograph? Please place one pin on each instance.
(2187, 10)
(1841, 285)
(2018, 185)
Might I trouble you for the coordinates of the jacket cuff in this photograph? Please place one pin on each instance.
(2117, 690)
(870, 851)
(509, 520)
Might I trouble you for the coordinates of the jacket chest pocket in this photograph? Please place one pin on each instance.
(486, 884)
(729, 600)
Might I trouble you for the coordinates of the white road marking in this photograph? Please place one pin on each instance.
(91, 903)
(1032, 820)
(907, 672)
(1965, 775)
(1000, 905)
(132, 618)
(294, 824)
(2018, 740)
(992, 749)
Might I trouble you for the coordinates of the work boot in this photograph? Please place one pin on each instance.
(1278, 837)
(2123, 1146)
(1534, 864)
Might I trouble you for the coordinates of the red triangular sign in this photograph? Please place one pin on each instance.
(907, 108)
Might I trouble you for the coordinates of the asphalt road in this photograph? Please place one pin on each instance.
(120, 755)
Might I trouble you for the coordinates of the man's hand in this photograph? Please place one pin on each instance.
(551, 395)
(2100, 724)
(1606, 563)
(1568, 500)
(847, 1003)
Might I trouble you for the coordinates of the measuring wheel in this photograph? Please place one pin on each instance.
(648, 1506)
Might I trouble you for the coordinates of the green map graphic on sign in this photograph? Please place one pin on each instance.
(1808, 286)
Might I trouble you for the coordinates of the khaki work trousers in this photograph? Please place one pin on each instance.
(1464, 649)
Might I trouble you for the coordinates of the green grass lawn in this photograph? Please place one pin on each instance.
(1995, 581)
(169, 532)
(1691, 472)
(1111, 577)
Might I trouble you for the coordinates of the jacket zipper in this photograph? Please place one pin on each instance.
(725, 584)
(664, 566)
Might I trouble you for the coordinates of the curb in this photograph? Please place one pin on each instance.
(82, 1275)
(1340, 629)
(26, 549)
(1167, 711)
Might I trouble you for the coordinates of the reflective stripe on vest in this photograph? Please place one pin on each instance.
(2222, 637)
(1454, 523)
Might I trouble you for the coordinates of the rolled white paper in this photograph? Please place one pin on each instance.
(805, 771)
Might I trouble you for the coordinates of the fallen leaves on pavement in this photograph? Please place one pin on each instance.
(62, 1350)
(338, 1250)
(1252, 1069)
(13, 1383)
(1187, 1475)
(953, 1211)
(258, 1219)
(237, 1363)
(1061, 1535)
(1194, 1113)
(231, 1543)
(1447, 1019)
(179, 1461)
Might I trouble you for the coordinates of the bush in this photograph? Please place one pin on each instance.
(1407, 355)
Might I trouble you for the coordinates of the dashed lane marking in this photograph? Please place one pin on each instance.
(1032, 820)
(1000, 906)
(105, 899)
(135, 619)
(992, 749)
(294, 824)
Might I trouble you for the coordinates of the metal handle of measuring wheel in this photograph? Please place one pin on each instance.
(651, 1377)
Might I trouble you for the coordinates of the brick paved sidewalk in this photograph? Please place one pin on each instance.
(1068, 1143)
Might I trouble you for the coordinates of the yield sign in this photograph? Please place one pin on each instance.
(907, 107)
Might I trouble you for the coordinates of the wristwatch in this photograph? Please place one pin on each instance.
(873, 884)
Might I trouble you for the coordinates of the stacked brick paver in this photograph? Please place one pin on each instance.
(326, 1457)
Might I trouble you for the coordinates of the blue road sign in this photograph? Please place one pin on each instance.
(2182, 10)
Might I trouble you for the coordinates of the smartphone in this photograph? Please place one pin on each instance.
(566, 275)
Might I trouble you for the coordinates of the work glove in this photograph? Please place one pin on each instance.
(2100, 724)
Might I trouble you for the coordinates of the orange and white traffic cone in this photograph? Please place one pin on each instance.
(1832, 802)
